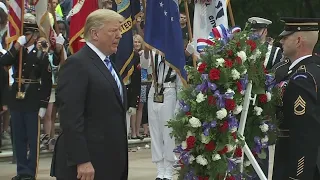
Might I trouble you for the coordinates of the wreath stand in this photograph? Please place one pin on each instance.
(246, 149)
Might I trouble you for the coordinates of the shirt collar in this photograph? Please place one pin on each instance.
(29, 48)
(97, 51)
(298, 60)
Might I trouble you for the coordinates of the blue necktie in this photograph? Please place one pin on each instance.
(114, 74)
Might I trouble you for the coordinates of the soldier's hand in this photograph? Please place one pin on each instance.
(85, 171)
(60, 39)
(42, 112)
(5, 108)
(22, 40)
(132, 111)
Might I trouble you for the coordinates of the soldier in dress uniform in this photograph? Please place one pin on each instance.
(260, 27)
(281, 69)
(162, 101)
(32, 99)
(297, 147)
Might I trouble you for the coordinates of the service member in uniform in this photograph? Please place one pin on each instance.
(29, 103)
(260, 27)
(297, 147)
(161, 108)
(281, 69)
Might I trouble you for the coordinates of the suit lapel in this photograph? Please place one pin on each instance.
(106, 73)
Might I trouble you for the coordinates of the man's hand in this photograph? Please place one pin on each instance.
(22, 40)
(42, 112)
(60, 39)
(132, 111)
(5, 108)
(85, 171)
(190, 48)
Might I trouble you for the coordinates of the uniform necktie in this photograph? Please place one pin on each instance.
(114, 74)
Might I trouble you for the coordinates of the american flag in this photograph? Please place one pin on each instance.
(16, 8)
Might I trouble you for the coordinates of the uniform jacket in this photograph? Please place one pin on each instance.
(35, 66)
(273, 56)
(92, 118)
(297, 147)
(281, 70)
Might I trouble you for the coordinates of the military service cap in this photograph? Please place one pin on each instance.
(259, 23)
(299, 24)
(29, 24)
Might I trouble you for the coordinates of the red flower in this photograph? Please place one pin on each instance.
(238, 44)
(238, 152)
(188, 113)
(203, 178)
(263, 98)
(210, 146)
(214, 74)
(234, 135)
(230, 178)
(264, 69)
(252, 44)
(238, 60)
(228, 63)
(202, 67)
(224, 127)
(223, 151)
(211, 100)
(191, 140)
(230, 52)
(230, 104)
(239, 86)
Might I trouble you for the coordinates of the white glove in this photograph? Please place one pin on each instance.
(60, 39)
(132, 111)
(22, 40)
(42, 112)
(190, 48)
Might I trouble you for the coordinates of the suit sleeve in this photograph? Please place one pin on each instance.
(10, 58)
(304, 126)
(71, 97)
(46, 81)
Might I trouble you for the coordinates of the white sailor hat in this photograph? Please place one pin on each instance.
(259, 23)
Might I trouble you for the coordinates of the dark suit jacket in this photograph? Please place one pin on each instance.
(92, 118)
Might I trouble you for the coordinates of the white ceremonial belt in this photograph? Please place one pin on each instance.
(169, 85)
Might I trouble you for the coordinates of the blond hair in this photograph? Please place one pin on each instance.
(97, 20)
(140, 39)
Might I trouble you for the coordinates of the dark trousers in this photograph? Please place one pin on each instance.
(264, 164)
(26, 131)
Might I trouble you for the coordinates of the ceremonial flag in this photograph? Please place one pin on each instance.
(15, 22)
(163, 32)
(129, 9)
(79, 13)
(208, 15)
(43, 21)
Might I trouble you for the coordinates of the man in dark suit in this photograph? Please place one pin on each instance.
(92, 106)
(296, 149)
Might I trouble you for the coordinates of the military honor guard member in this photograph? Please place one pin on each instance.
(29, 102)
(297, 147)
(162, 101)
(281, 69)
(260, 27)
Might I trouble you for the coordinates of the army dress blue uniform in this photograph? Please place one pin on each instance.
(36, 84)
(297, 145)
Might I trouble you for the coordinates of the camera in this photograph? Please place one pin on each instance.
(44, 44)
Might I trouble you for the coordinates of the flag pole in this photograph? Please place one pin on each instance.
(230, 12)
(19, 94)
(186, 9)
(150, 52)
(56, 28)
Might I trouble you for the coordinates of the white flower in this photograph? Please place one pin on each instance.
(230, 91)
(189, 133)
(222, 113)
(191, 159)
(242, 55)
(205, 139)
(230, 147)
(268, 96)
(194, 122)
(257, 53)
(201, 160)
(247, 163)
(232, 130)
(264, 127)
(216, 157)
(265, 139)
(220, 62)
(235, 74)
(258, 110)
(184, 145)
(244, 72)
(200, 97)
(237, 110)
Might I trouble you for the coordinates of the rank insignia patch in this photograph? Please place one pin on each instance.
(299, 106)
